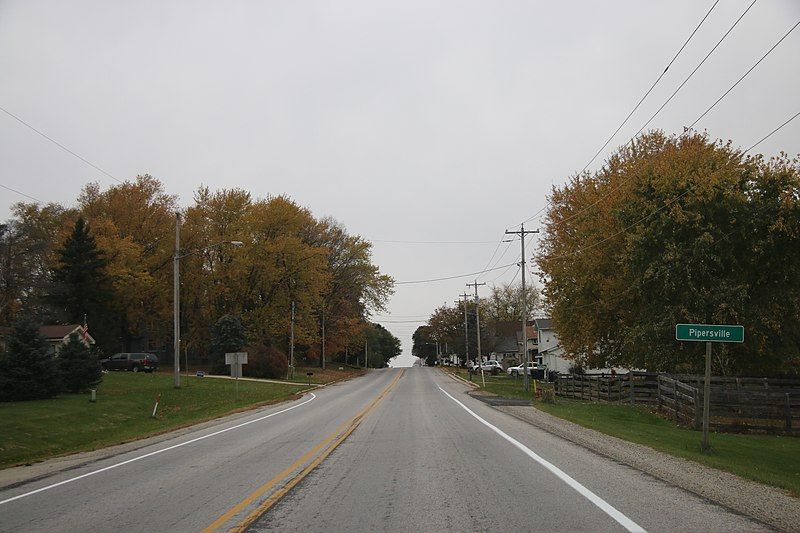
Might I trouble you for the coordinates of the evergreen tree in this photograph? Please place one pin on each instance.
(227, 335)
(27, 371)
(81, 287)
(78, 367)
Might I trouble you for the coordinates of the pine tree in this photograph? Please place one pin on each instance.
(80, 278)
(78, 367)
(27, 371)
(81, 287)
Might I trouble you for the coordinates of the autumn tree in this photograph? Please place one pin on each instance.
(676, 229)
(134, 224)
(28, 244)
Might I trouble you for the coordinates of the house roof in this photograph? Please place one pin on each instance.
(58, 331)
(53, 331)
(510, 335)
(544, 323)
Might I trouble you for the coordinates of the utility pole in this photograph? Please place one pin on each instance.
(365, 353)
(291, 345)
(322, 359)
(466, 329)
(526, 373)
(478, 326)
(176, 304)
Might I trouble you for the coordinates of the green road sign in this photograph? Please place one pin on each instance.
(709, 333)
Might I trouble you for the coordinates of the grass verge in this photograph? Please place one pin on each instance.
(36, 430)
(331, 373)
(768, 459)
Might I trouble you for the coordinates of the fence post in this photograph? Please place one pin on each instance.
(788, 413)
(630, 386)
(619, 389)
(677, 401)
(659, 391)
(599, 380)
(697, 407)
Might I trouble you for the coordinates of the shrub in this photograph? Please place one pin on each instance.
(264, 362)
(27, 371)
(78, 368)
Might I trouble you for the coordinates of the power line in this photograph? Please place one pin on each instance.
(602, 197)
(745, 74)
(639, 103)
(401, 321)
(431, 242)
(22, 194)
(695, 69)
(18, 119)
(770, 134)
(448, 277)
(652, 86)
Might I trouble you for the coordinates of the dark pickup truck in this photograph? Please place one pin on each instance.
(135, 362)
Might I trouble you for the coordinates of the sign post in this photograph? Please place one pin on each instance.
(708, 333)
(236, 360)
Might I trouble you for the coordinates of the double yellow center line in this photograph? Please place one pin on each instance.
(332, 441)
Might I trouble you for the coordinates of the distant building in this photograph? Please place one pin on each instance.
(551, 353)
(506, 341)
(56, 336)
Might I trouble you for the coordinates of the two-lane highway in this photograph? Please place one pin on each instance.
(415, 453)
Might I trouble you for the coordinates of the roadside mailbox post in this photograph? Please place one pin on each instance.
(236, 360)
(708, 333)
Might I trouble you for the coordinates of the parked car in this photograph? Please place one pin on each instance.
(519, 370)
(134, 362)
(493, 367)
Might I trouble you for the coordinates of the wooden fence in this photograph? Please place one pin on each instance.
(736, 404)
(634, 387)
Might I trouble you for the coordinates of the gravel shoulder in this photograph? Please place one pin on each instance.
(769, 505)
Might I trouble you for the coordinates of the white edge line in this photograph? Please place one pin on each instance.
(604, 506)
(168, 448)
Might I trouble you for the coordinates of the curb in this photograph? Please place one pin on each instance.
(462, 380)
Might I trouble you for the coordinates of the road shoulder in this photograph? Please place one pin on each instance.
(17, 475)
(769, 505)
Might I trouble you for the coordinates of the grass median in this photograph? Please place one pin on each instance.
(768, 459)
(332, 372)
(36, 430)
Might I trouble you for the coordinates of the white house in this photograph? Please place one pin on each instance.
(551, 353)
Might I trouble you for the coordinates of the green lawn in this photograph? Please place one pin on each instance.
(331, 373)
(774, 460)
(35, 430)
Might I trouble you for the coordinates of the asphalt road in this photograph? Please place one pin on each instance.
(425, 457)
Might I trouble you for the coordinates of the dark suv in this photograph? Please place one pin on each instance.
(134, 362)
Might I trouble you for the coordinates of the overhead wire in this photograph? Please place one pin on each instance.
(447, 277)
(695, 69)
(646, 94)
(774, 46)
(431, 242)
(770, 134)
(22, 194)
(639, 103)
(652, 117)
(41, 133)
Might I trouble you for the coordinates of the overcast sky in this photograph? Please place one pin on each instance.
(406, 121)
